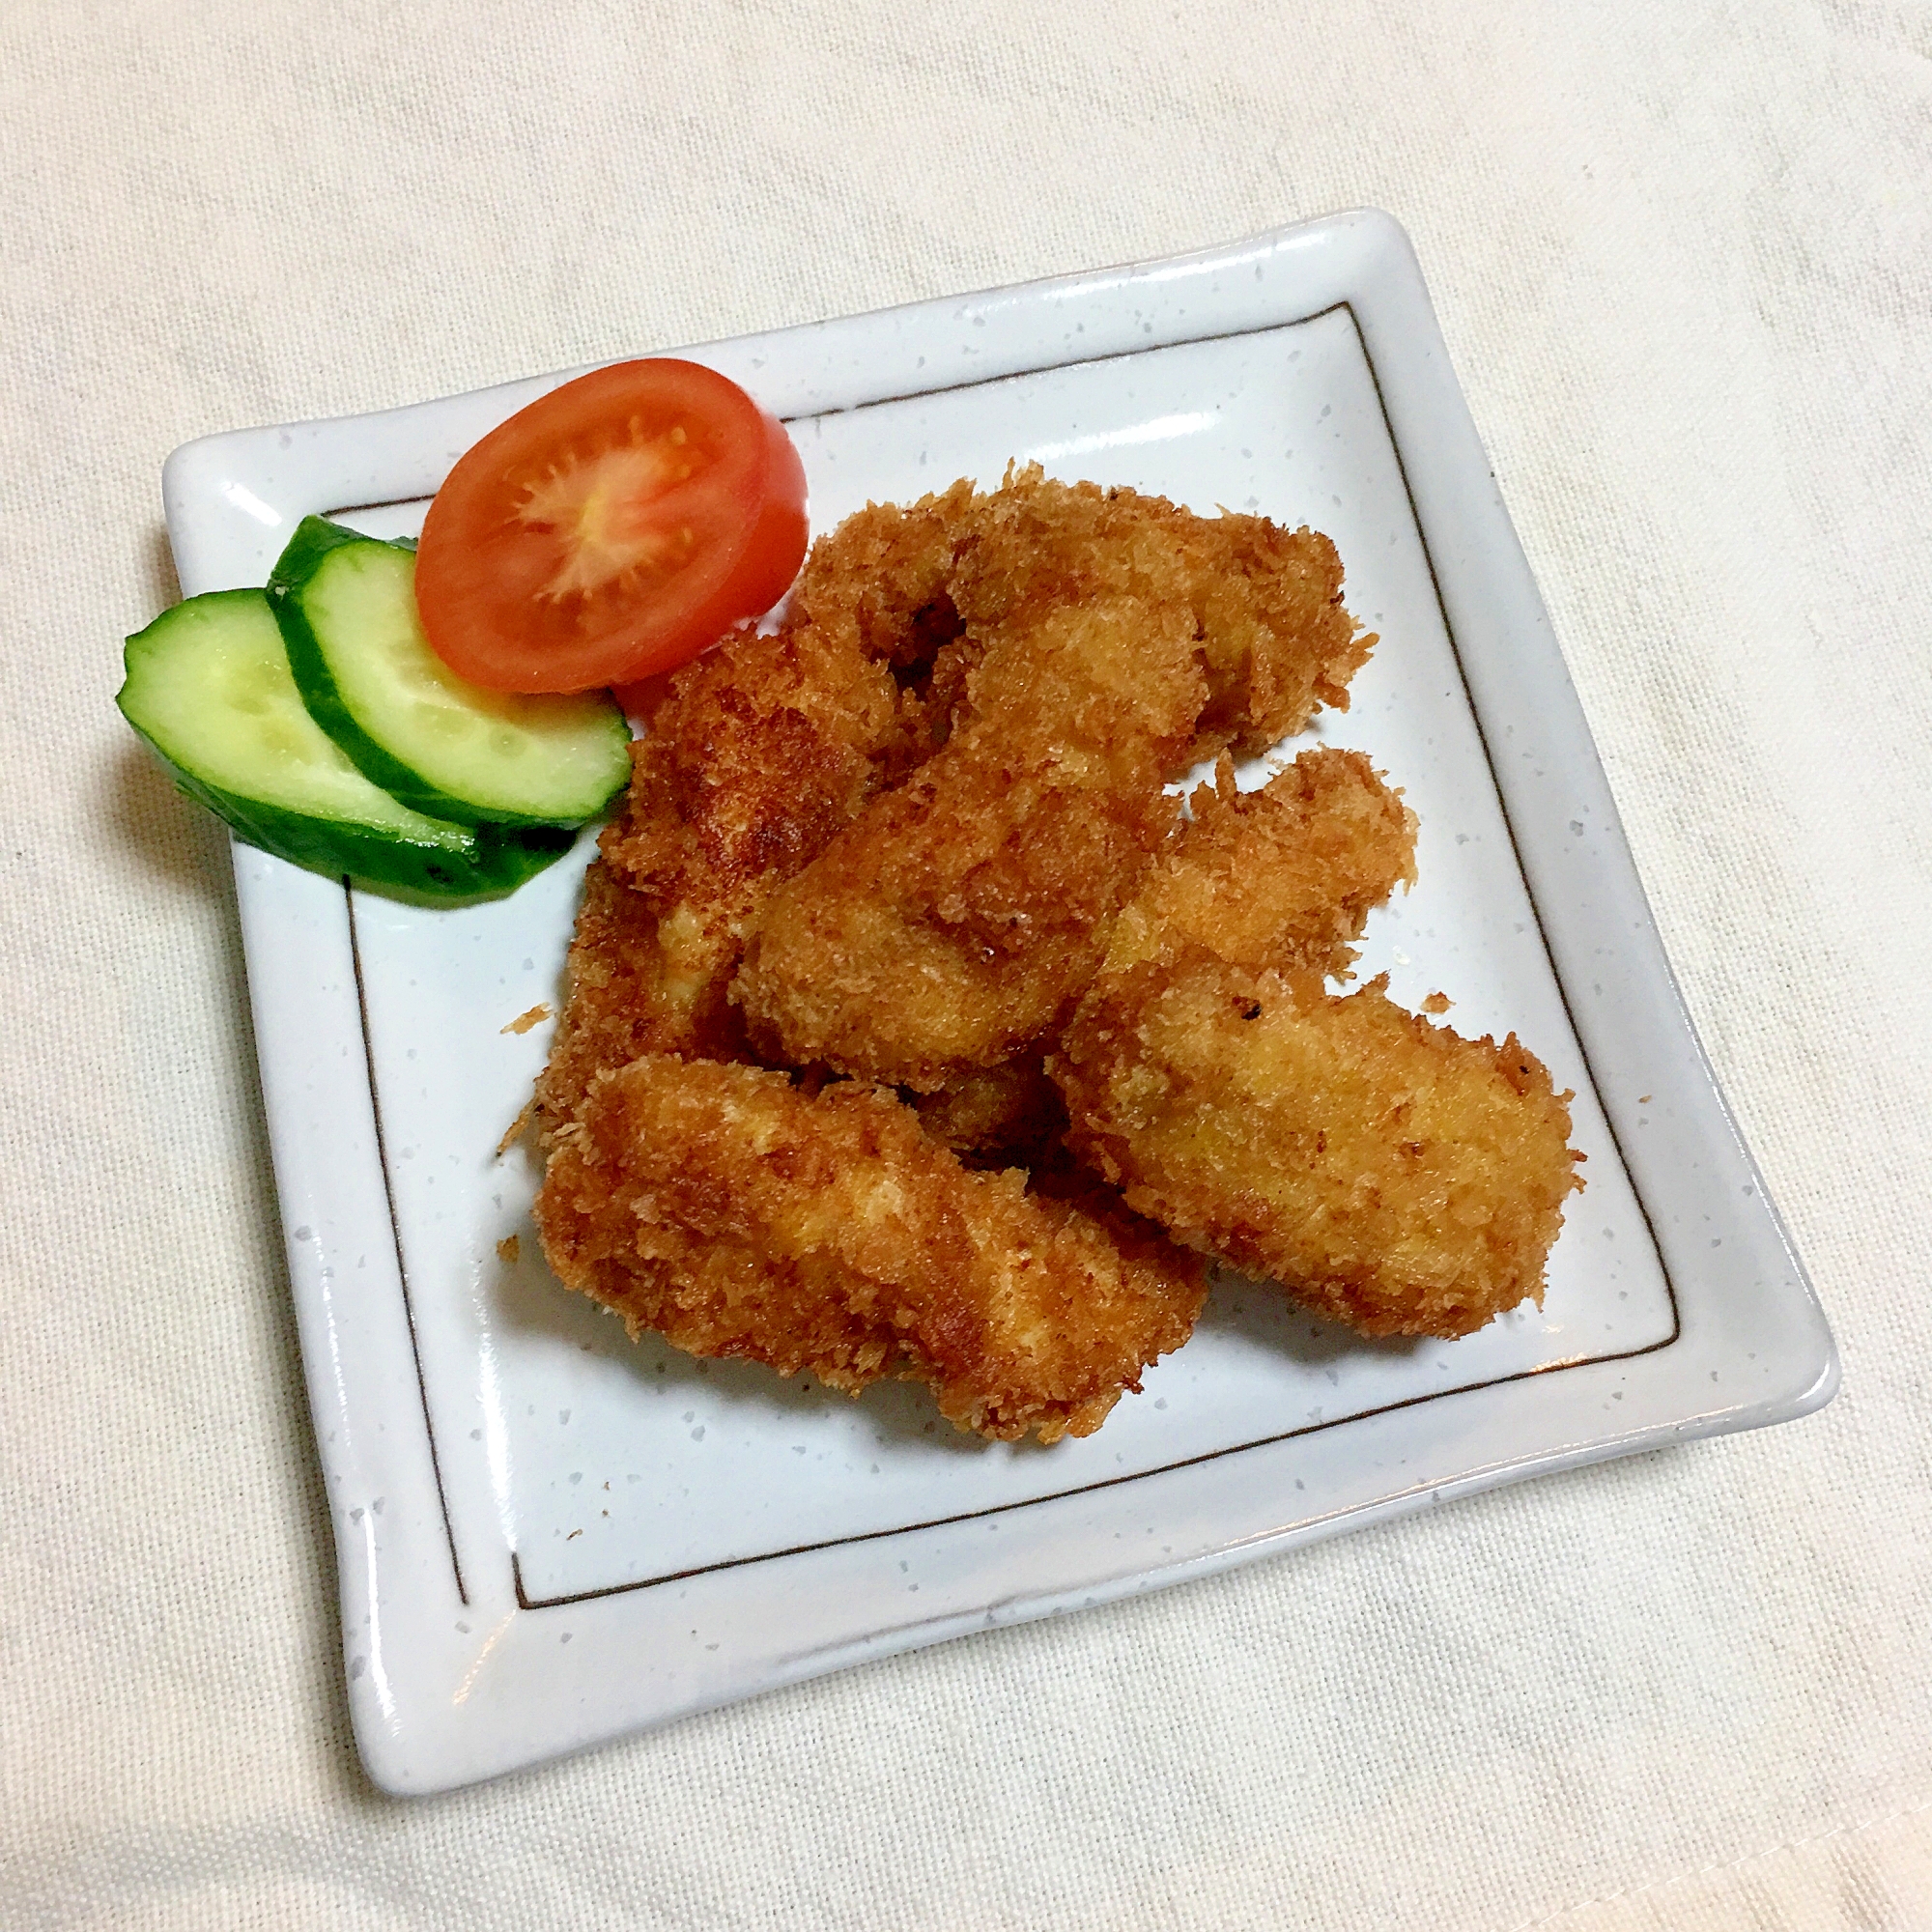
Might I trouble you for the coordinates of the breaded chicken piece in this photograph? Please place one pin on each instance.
(1263, 604)
(741, 1216)
(753, 756)
(761, 750)
(954, 922)
(1279, 877)
(1282, 876)
(1388, 1173)
(957, 919)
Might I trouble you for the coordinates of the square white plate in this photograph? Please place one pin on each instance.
(547, 1536)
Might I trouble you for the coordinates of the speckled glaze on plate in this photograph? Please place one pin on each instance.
(549, 1536)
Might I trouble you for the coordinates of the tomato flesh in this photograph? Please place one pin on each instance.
(611, 530)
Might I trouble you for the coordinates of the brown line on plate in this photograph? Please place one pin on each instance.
(396, 1234)
(1516, 850)
(526, 1602)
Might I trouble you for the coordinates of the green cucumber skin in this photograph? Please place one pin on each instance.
(494, 860)
(314, 540)
(480, 862)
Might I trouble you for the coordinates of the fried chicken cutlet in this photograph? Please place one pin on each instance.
(1287, 873)
(1389, 1174)
(1284, 876)
(753, 758)
(1111, 639)
(740, 1215)
(920, 837)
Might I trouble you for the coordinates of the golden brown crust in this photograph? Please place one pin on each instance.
(741, 1216)
(1263, 604)
(953, 924)
(921, 835)
(753, 756)
(878, 584)
(957, 919)
(1283, 876)
(1387, 1172)
(760, 751)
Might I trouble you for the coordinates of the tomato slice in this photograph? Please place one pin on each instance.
(611, 530)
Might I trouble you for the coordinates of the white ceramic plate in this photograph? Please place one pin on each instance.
(547, 1536)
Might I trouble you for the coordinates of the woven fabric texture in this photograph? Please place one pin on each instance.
(1682, 250)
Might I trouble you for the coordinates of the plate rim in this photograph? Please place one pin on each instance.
(418, 1735)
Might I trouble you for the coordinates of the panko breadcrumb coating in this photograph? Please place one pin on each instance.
(1116, 638)
(878, 584)
(950, 926)
(762, 748)
(1263, 604)
(753, 756)
(920, 837)
(741, 1216)
(1385, 1172)
(1388, 1173)
(1285, 875)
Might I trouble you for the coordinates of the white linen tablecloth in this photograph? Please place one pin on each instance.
(1682, 254)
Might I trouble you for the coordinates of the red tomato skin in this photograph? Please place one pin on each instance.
(486, 574)
(778, 541)
(781, 539)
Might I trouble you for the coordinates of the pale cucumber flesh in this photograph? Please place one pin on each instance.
(347, 605)
(209, 687)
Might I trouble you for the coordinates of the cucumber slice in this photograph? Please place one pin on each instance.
(348, 610)
(209, 688)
